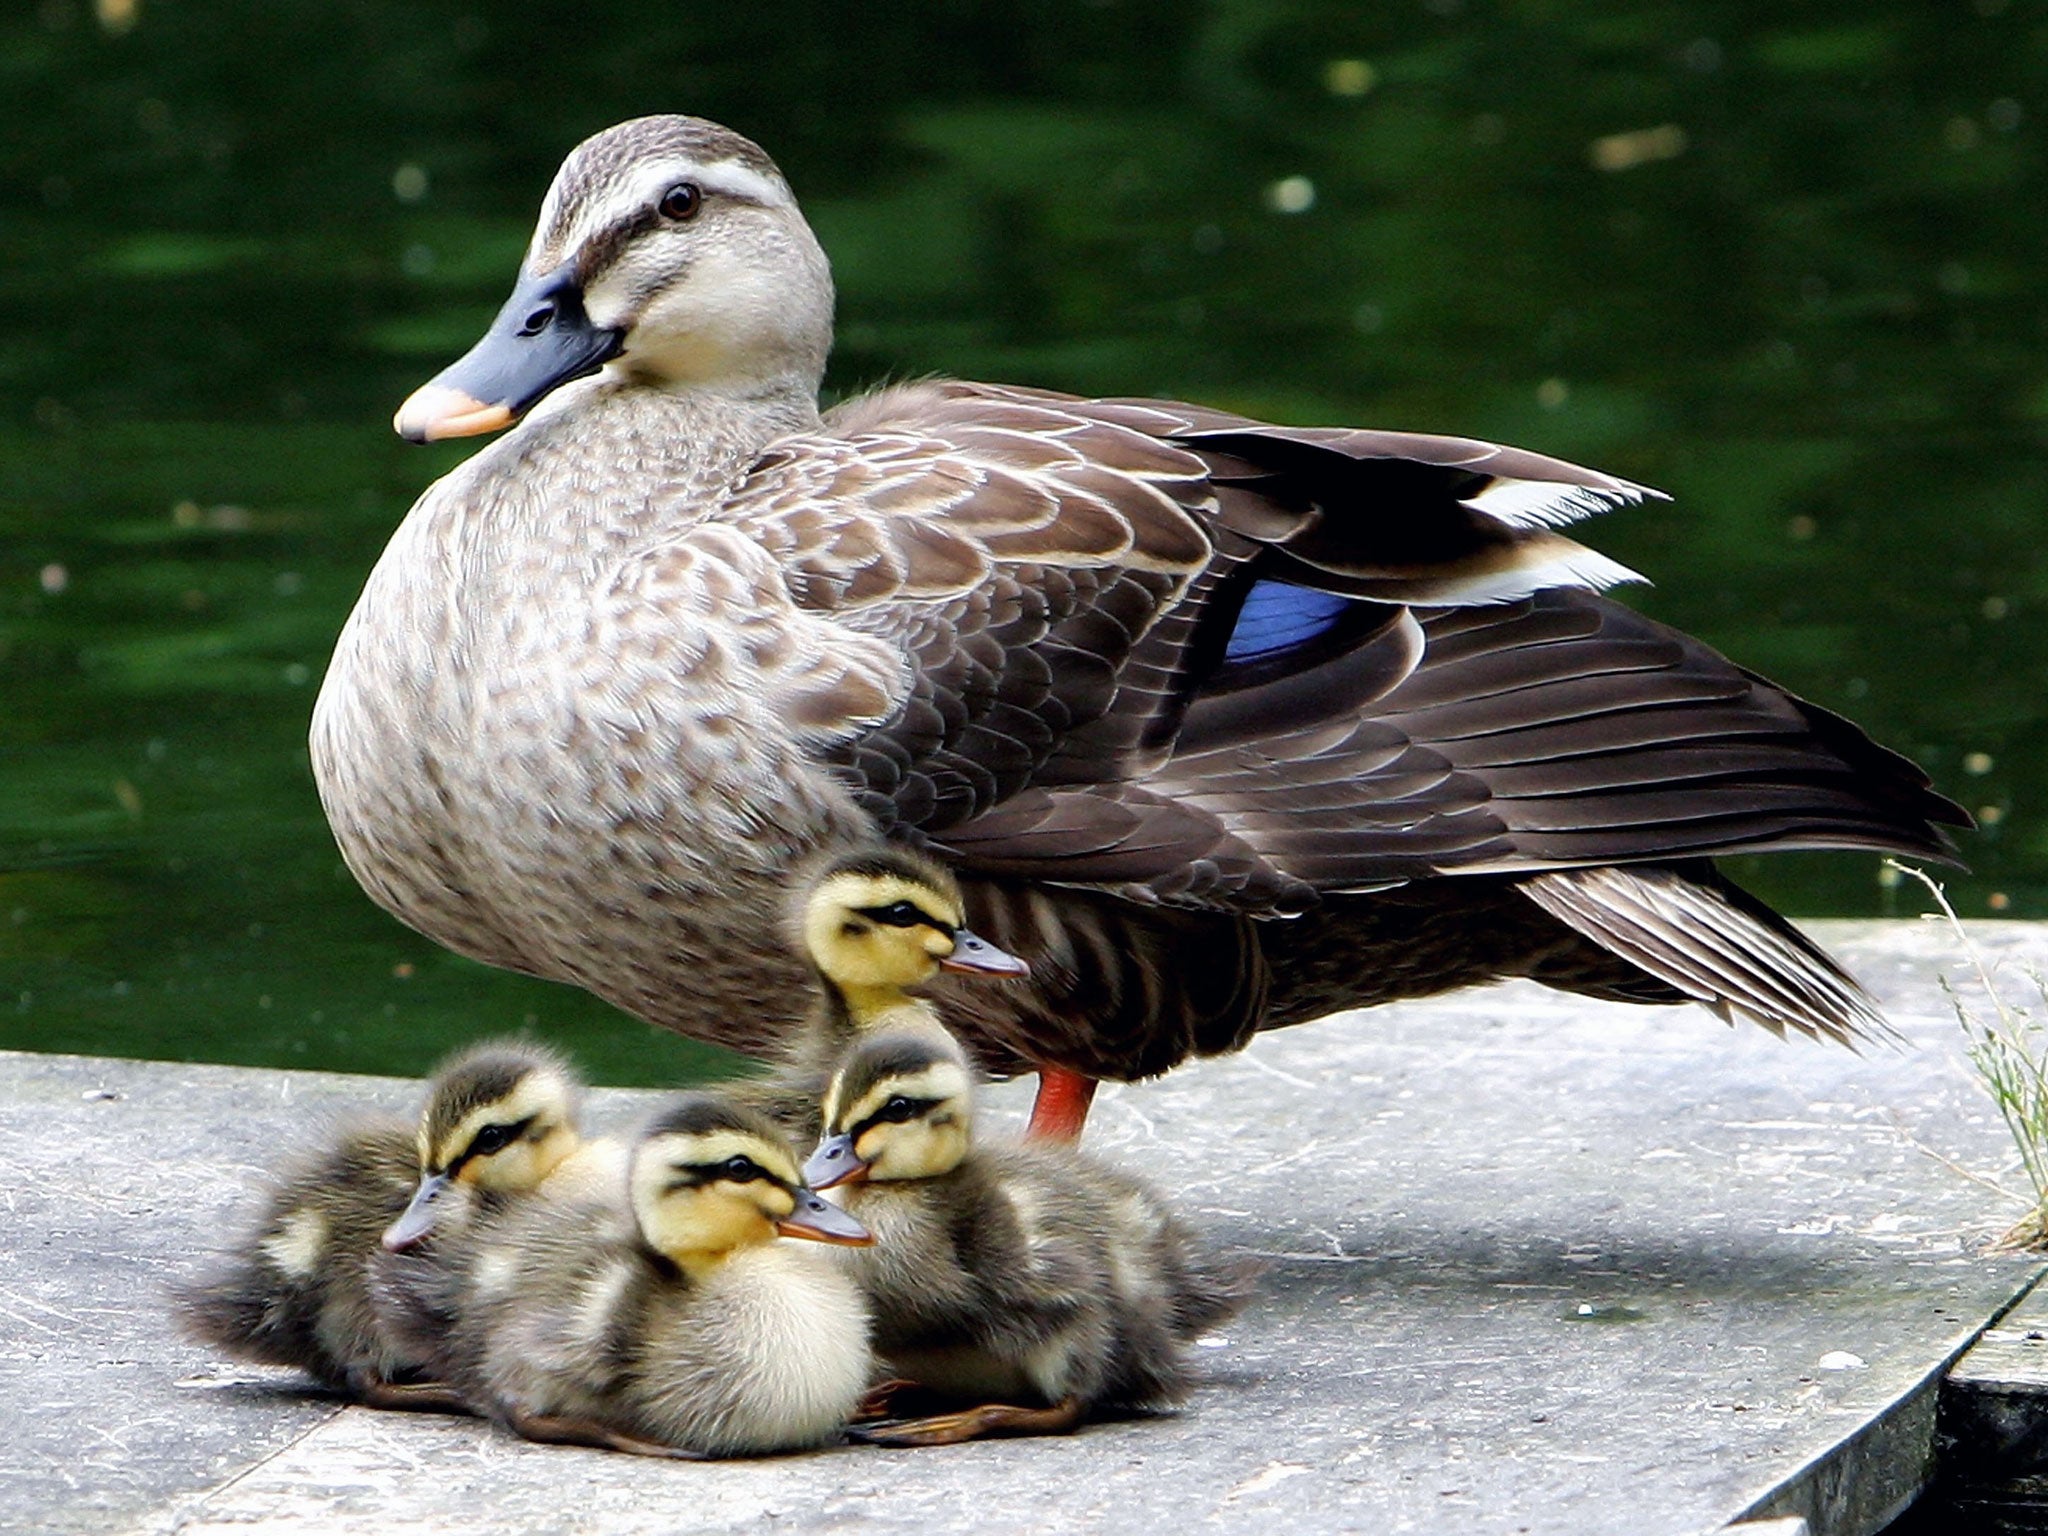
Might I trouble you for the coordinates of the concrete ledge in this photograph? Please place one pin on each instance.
(1535, 1265)
(1993, 1428)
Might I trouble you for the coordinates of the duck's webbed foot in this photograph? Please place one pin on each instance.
(555, 1429)
(875, 1404)
(411, 1396)
(985, 1422)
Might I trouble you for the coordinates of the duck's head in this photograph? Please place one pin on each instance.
(711, 1177)
(901, 1106)
(499, 1118)
(885, 919)
(669, 250)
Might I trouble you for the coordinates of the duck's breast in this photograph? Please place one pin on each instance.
(770, 1353)
(563, 732)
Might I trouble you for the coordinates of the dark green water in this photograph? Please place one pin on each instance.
(1784, 262)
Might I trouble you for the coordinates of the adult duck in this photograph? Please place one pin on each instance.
(1223, 726)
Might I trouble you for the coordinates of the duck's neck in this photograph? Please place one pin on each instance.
(861, 1008)
(602, 462)
(716, 427)
(700, 1264)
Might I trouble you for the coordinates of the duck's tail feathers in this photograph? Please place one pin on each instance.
(1716, 944)
(1210, 1289)
(235, 1312)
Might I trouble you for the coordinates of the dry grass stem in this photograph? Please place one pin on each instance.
(2009, 1051)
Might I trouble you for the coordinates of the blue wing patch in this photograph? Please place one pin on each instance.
(1278, 616)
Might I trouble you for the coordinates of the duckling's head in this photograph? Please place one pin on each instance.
(711, 1177)
(499, 1119)
(901, 1106)
(670, 250)
(884, 919)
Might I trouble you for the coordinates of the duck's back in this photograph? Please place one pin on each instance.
(419, 1294)
(544, 1294)
(1163, 1284)
(1035, 1267)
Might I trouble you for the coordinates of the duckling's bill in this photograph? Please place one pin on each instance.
(835, 1163)
(821, 1221)
(419, 1216)
(975, 956)
(540, 340)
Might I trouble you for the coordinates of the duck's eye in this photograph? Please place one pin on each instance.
(742, 1170)
(681, 201)
(899, 1109)
(492, 1138)
(900, 914)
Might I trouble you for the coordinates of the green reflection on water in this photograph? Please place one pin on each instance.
(1788, 270)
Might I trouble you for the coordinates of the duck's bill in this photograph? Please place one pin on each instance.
(420, 1214)
(820, 1221)
(834, 1163)
(975, 956)
(541, 340)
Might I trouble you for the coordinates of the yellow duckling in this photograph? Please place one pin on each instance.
(1030, 1281)
(875, 924)
(671, 1323)
(296, 1291)
(502, 1122)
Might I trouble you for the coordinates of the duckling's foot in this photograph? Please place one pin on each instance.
(412, 1397)
(985, 1422)
(879, 1398)
(556, 1430)
(1061, 1109)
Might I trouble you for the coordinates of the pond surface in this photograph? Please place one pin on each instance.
(1785, 263)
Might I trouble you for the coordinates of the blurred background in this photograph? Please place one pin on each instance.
(1783, 262)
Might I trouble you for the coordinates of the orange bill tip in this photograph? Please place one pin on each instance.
(434, 412)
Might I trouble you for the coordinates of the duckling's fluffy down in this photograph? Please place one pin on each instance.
(295, 1292)
(1032, 1271)
(565, 1313)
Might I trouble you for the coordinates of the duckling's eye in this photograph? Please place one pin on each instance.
(899, 1109)
(681, 201)
(492, 1138)
(899, 914)
(742, 1170)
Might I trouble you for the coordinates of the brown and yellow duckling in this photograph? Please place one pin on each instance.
(296, 1291)
(1030, 1282)
(501, 1122)
(875, 924)
(503, 1127)
(671, 1322)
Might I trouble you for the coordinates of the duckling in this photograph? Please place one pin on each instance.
(503, 1126)
(1030, 1279)
(874, 923)
(502, 1121)
(671, 1322)
(297, 1291)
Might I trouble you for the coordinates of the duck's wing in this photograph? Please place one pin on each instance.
(1208, 661)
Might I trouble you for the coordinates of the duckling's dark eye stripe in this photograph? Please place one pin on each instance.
(921, 1108)
(902, 914)
(697, 1175)
(511, 1132)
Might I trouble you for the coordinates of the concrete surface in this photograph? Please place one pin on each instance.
(1535, 1265)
